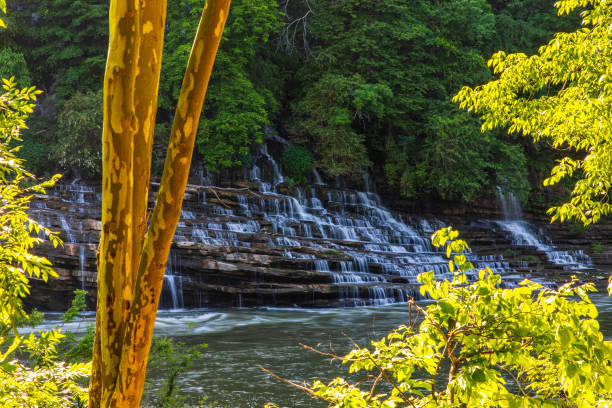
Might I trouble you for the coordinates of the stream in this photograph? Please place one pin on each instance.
(240, 340)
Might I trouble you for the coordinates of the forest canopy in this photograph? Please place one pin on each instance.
(363, 86)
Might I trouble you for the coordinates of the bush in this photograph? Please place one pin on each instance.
(173, 358)
(43, 381)
(479, 345)
(78, 147)
(36, 155)
(297, 162)
(13, 64)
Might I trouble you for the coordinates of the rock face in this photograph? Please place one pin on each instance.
(246, 243)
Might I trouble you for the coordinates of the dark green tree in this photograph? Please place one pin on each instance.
(78, 147)
(376, 74)
(236, 106)
(64, 42)
(12, 63)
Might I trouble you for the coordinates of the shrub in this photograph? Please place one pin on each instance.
(13, 64)
(597, 248)
(173, 358)
(297, 162)
(43, 382)
(480, 345)
(78, 146)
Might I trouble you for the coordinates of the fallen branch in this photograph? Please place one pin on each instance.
(301, 387)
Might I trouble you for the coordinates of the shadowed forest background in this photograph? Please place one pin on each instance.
(361, 86)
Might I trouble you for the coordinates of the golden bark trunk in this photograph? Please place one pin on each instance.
(131, 265)
(114, 263)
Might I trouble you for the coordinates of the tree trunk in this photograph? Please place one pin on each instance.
(131, 265)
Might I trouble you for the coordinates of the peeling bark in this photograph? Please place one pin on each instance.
(114, 294)
(131, 264)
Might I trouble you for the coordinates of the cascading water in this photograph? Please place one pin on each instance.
(72, 208)
(67, 229)
(369, 255)
(249, 242)
(172, 289)
(525, 234)
(71, 239)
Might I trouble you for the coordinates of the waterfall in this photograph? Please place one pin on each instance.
(82, 258)
(525, 234)
(509, 205)
(172, 287)
(77, 202)
(318, 180)
(66, 228)
(249, 242)
(380, 253)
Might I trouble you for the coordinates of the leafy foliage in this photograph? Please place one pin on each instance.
(64, 43)
(365, 86)
(77, 306)
(523, 25)
(236, 108)
(78, 147)
(77, 349)
(46, 383)
(297, 162)
(13, 64)
(324, 121)
(375, 90)
(457, 162)
(173, 358)
(3, 9)
(560, 95)
(481, 345)
(16, 227)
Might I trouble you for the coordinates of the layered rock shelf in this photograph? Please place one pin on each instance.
(252, 242)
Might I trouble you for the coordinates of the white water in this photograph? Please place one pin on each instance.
(173, 282)
(381, 246)
(526, 234)
(370, 254)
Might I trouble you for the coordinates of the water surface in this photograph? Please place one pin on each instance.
(240, 340)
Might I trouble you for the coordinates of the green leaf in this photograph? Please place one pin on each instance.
(8, 367)
(479, 376)
(446, 306)
(570, 370)
(565, 336)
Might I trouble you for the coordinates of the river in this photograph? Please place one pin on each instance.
(240, 340)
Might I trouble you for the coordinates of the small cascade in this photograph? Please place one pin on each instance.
(262, 156)
(525, 234)
(73, 209)
(82, 265)
(172, 288)
(318, 180)
(66, 227)
(82, 258)
(510, 205)
(368, 183)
